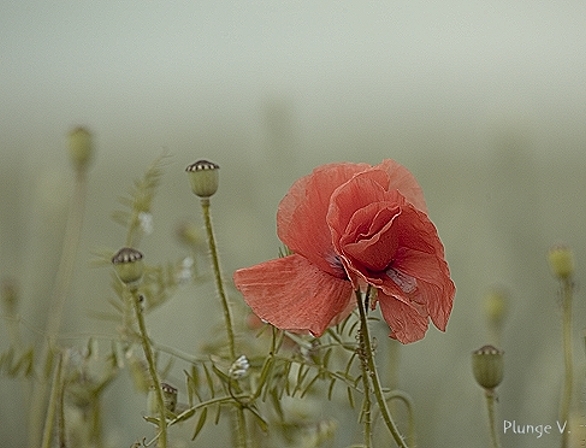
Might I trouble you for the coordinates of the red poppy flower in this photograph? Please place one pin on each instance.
(349, 225)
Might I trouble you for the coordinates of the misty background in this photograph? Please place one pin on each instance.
(485, 102)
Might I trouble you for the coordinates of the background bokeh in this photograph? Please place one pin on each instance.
(485, 102)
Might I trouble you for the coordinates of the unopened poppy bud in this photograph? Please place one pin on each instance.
(488, 366)
(128, 264)
(204, 178)
(561, 261)
(80, 147)
(189, 233)
(495, 308)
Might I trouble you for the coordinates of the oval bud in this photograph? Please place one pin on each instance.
(128, 264)
(203, 177)
(488, 366)
(561, 261)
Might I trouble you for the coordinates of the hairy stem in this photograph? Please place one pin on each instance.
(149, 354)
(241, 435)
(367, 404)
(205, 205)
(373, 373)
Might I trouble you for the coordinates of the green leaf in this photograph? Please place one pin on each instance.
(261, 421)
(185, 415)
(200, 422)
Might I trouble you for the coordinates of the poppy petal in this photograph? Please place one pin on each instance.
(433, 278)
(406, 322)
(401, 179)
(293, 294)
(301, 217)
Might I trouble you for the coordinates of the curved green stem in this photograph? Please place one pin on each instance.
(566, 293)
(150, 357)
(373, 373)
(406, 399)
(241, 434)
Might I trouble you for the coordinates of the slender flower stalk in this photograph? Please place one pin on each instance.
(372, 371)
(488, 369)
(367, 405)
(408, 402)
(204, 180)
(150, 357)
(567, 293)
(241, 432)
(54, 403)
(491, 398)
(561, 263)
(205, 206)
(129, 268)
(59, 293)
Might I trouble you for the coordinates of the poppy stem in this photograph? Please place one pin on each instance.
(57, 299)
(150, 357)
(372, 372)
(205, 205)
(491, 397)
(566, 286)
(241, 435)
(366, 414)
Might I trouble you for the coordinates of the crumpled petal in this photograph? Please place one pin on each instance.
(433, 279)
(401, 179)
(385, 241)
(301, 216)
(406, 322)
(293, 294)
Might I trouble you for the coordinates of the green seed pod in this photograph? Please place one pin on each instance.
(204, 178)
(561, 261)
(128, 264)
(169, 399)
(169, 396)
(488, 366)
(80, 147)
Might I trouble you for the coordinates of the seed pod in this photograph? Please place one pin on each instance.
(128, 264)
(204, 178)
(488, 366)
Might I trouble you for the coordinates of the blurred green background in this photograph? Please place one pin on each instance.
(484, 102)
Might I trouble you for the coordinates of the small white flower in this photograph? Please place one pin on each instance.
(239, 368)
(146, 222)
(186, 270)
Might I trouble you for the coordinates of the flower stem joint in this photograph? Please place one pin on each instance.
(128, 264)
(204, 178)
(488, 366)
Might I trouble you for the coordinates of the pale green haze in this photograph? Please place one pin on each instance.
(484, 101)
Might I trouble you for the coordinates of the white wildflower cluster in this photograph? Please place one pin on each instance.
(239, 368)
(146, 222)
